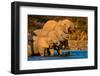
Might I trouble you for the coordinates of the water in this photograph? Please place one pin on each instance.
(76, 54)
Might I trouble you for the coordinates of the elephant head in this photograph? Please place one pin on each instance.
(66, 25)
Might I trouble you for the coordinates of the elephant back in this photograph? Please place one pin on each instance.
(50, 25)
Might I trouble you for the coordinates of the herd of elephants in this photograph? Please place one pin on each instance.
(53, 36)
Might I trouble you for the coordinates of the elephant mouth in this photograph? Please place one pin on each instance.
(69, 31)
(65, 32)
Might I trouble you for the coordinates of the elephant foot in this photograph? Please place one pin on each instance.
(51, 52)
(46, 52)
(30, 53)
(59, 52)
(41, 54)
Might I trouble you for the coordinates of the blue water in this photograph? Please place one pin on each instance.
(76, 54)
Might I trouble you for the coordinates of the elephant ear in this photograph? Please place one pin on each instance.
(50, 25)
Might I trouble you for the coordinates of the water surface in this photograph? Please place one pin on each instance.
(74, 54)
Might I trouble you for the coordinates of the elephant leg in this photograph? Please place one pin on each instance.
(46, 52)
(29, 50)
(58, 48)
(66, 44)
(51, 52)
(59, 52)
(41, 52)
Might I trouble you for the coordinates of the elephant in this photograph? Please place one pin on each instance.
(43, 42)
(45, 46)
(55, 45)
(62, 27)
